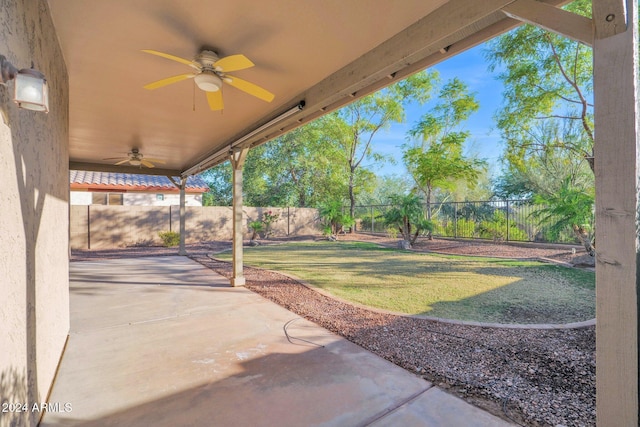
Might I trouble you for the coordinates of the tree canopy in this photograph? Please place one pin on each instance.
(363, 119)
(327, 160)
(435, 154)
(547, 123)
(548, 91)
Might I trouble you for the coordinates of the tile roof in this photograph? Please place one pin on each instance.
(125, 181)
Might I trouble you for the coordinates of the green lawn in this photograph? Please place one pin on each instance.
(454, 287)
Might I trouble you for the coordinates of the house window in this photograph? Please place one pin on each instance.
(99, 198)
(115, 198)
(106, 199)
(159, 196)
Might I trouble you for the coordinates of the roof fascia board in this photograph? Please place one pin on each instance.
(135, 170)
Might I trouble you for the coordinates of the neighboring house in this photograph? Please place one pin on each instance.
(104, 188)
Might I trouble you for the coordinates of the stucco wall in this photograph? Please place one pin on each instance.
(34, 290)
(101, 227)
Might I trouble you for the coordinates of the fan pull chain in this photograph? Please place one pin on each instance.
(194, 96)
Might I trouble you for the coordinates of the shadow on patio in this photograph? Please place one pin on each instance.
(154, 354)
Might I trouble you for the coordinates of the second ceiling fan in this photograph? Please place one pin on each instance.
(210, 74)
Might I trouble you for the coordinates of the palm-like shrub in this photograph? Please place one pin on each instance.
(335, 219)
(256, 227)
(408, 217)
(570, 207)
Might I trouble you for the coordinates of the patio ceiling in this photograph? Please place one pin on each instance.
(326, 53)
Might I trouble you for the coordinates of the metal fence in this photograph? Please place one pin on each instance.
(497, 220)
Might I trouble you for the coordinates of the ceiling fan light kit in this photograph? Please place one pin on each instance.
(208, 81)
(136, 158)
(210, 74)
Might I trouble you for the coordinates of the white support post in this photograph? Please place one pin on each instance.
(617, 170)
(182, 187)
(183, 214)
(237, 162)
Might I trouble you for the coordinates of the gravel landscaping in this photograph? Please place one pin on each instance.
(530, 377)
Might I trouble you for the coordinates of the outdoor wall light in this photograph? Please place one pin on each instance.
(30, 91)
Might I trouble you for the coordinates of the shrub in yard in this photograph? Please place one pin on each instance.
(463, 227)
(407, 217)
(169, 238)
(571, 207)
(256, 227)
(267, 219)
(496, 229)
(334, 218)
(392, 232)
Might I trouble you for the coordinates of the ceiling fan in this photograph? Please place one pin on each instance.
(210, 73)
(136, 158)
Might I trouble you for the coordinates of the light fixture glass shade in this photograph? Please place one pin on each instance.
(208, 81)
(135, 162)
(31, 91)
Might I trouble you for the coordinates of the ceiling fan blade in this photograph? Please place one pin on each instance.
(168, 56)
(250, 88)
(147, 163)
(168, 81)
(149, 159)
(215, 100)
(121, 162)
(233, 63)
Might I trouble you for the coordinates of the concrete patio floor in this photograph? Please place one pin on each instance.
(164, 341)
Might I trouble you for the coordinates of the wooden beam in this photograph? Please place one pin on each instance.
(136, 170)
(553, 19)
(617, 168)
(237, 159)
(610, 17)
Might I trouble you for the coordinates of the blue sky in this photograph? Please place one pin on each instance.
(471, 68)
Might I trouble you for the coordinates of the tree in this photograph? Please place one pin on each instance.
(548, 83)
(569, 207)
(386, 186)
(220, 187)
(547, 118)
(436, 159)
(363, 119)
(480, 188)
(324, 160)
(408, 216)
(219, 180)
(301, 168)
(543, 174)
